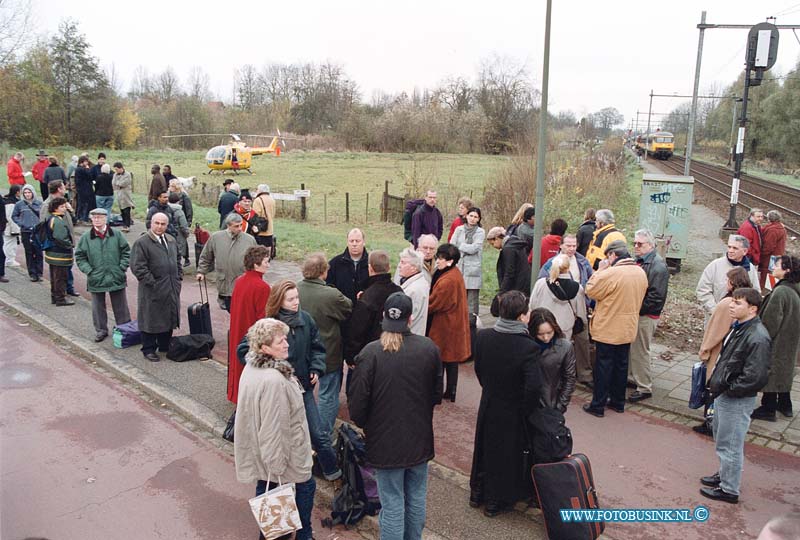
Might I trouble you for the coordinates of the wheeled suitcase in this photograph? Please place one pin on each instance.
(566, 485)
(200, 314)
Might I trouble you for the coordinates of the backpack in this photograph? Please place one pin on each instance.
(42, 237)
(359, 494)
(191, 347)
(412, 207)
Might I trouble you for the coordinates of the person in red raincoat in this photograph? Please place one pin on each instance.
(248, 304)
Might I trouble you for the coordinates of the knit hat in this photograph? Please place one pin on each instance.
(262, 188)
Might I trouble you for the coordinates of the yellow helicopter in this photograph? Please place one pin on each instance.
(236, 155)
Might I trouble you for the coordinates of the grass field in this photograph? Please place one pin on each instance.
(333, 174)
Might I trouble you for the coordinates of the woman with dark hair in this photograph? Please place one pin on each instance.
(248, 304)
(719, 324)
(271, 438)
(84, 188)
(307, 357)
(59, 256)
(468, 238)
(509, 372)
(780, 313)
(773, 242)
(54, 172)
(448, 315)
(551, 243)
(557, 360)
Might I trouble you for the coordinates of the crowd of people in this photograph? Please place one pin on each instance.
(588, 318)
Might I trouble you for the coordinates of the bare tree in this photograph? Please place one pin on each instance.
(248, 87)
(15, 28)
(456, 94)
(114, 79)
(141, 84)
(199, 82)
(167, 86)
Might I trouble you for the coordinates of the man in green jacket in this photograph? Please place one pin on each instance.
(224, 254)
(103, 255)
(329, 308)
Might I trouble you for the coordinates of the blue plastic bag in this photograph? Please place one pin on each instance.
(698, 396)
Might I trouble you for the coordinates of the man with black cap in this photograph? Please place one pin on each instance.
(394, 389)
(103, 255)
(228, 199)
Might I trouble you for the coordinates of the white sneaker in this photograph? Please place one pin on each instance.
(12, 264)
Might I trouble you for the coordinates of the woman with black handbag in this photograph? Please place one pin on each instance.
(563, 295)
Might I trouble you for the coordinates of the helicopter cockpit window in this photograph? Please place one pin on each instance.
(216, 154)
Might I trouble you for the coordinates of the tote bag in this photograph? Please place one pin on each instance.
(276, 511)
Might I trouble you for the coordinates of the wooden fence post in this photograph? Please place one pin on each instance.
(303, 213)
(347, 207)
(385, 209)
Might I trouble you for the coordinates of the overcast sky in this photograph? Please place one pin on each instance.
(603, 53)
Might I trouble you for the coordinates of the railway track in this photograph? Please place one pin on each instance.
(754, 192)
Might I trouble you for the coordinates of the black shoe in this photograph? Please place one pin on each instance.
(475, 499)
(762, 413)
(3, 279)
(703, 429)
(153, 357)
(588, 408)
(631, 385)
(448, 394)
(711, 481)
(35, 279)
(494, 508)
(186, 263)
(718, 495)
(65, 302)
(615, 408)
(100, 336)
(73, 293)
(637, 396)
(786, 412)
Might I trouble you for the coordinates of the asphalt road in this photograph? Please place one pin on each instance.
(82, 458)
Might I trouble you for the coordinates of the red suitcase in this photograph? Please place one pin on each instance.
(566, 484)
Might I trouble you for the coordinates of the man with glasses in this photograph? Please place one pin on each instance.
(713, 284)
(103, 255)
(751, 229)
(655, 268)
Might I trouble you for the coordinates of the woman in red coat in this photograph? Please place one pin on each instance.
(773, 242)
(448, 316)
(248, 304)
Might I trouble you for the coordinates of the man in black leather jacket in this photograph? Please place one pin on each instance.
(639, 366)
(741, 371)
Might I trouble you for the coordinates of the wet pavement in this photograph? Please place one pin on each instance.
(83, 458)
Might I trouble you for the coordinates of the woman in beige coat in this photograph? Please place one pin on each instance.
(562, 295)
(271, 439)
(719, 323)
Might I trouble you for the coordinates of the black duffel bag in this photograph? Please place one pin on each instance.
(551, 438)
(191, 347)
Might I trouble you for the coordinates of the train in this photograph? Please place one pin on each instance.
(660, 144)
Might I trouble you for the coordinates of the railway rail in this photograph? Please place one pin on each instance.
(754, 192)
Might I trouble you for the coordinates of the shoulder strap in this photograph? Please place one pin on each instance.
(602, 236)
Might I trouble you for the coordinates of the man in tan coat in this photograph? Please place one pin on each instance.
(264, 207)
(224, 254)
(618, 286)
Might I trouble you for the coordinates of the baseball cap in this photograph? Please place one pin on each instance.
(396, 311)
(227, 181)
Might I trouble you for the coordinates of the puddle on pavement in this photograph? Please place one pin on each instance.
(22, 376)
(106, 431)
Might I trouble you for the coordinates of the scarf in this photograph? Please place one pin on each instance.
(544, 346)
(291, 318)
(261, 360)
(469, 233)
(744, 263)
(439, 273)
(564, 289)
(505, 326)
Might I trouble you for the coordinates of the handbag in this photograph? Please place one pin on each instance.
(552, 439)
(276, 511)
(191, 347)
(698, 395)
(229, 428)
(578, 326)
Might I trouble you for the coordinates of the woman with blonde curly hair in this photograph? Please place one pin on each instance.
(271, 439)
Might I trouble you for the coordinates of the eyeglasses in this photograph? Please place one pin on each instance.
(640, 244)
